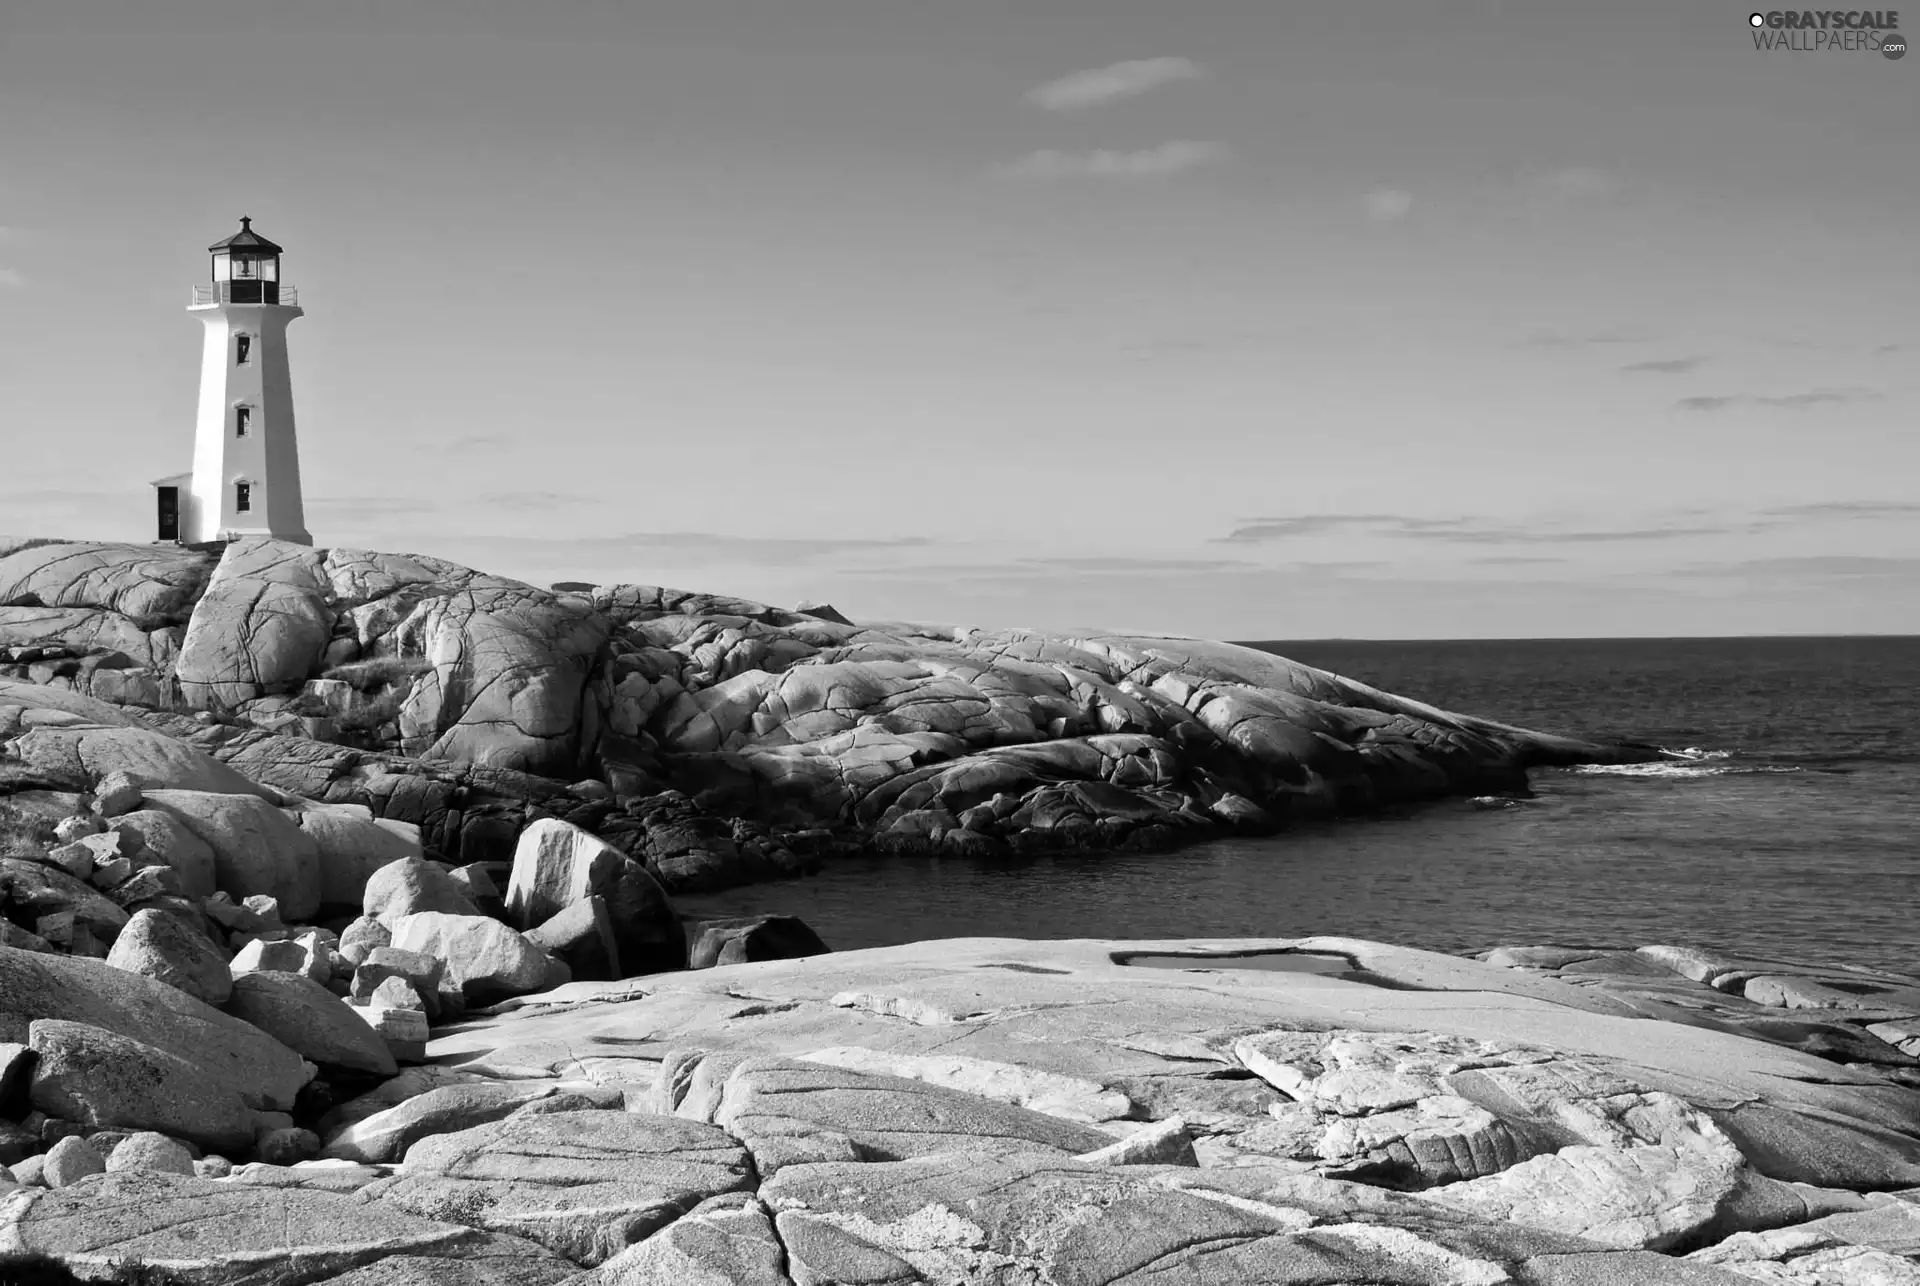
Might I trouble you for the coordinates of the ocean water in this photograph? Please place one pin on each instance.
(1793, 827)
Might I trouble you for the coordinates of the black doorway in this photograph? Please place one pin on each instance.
(169, 512)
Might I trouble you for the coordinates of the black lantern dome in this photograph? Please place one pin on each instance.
(246, 267)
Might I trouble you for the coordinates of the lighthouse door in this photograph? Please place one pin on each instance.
(169, 513)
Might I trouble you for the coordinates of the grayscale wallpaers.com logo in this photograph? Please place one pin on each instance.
(1874, 31)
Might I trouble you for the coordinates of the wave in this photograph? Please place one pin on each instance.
(1682, 770)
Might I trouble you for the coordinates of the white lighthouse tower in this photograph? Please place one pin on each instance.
(246, 460)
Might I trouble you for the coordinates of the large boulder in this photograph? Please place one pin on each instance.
(353, 844)
(557, 865)
(412, 885)
(257, 848)
(310, 1020)
(508, 665)
(101, 1079)
(152, 760)
(168, 949)
(224, 1050)
(32, 891)
(149, 581)
(165, 838)
(745, 939)
(485, 959)
(260, 628)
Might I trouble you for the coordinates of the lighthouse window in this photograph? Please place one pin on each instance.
(243, 350)
(242, 419)
(242, 496)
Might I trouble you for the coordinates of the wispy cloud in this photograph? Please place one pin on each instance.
(525, 500)
(1607, 335)
(1467, 531)
(11, 277)
(351, 509)
(1818, 566)
(1789, 401)
(1142, 163)
(1102, 85)
(1664, 366)
(1123, 564)
(1849, 509)
(1514, 560)
(703, 547)
(1386, 205)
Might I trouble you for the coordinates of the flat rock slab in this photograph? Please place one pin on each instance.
(729, 1241)
(792, 1111)
(386, 1136)
(585, 1184)
(234, 1234)
(965, 1217)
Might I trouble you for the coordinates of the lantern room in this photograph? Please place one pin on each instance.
(246, 268)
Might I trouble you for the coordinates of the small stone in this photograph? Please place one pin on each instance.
(117, 793)
(145, 884)
(30, 1172)
(287, 1146)
(149, 1150)
(362, 936)
(72, 829)
(404, 1030)
(75, 859)
(283, 956)
(1163, 1143)
(58, 928)
(112, 874)
(213, 1167)
(71, 1160)
(266, 906)
(477, 882)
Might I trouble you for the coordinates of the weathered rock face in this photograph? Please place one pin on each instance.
(210, 1230)
(165, 838)
(260, 628)
(98, 1078)
(585, 1184)
(352, 845)
(558, 865)
(225, 1051)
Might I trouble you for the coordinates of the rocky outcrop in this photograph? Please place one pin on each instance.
(718, 741)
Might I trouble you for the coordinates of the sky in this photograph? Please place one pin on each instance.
(1253, 320)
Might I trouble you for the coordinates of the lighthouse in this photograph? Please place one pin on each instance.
(246, 460)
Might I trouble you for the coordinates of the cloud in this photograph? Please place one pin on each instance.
(1467, 531)
(1609, 335)
(1514, 560)
(1664, 366)
(11, 277)
(358, 509)
(1122, 564)
(1818, 566)
(1143, 163)
(1384, 205)
(1789, 401)
(1102, 85)
(699, 546)
(1860, 509)
(523, 500)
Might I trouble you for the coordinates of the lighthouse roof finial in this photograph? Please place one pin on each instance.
(246, 239)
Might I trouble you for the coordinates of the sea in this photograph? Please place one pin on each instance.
(1790, 828)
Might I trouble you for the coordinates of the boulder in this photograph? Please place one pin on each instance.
(286, 1146)
(69, 1161)
(98, 1078)
(257, 848)
(282, 955)
(226, 1051)
(353, 845)
(116, 793)
(585, 1184)
(582, 935)
(310, 1020)
(485, 959)
(152, 760)
(147, 1150)
(556, 865)
(412, 886)
(361, 937)
(166, 839)
(421, 974)
(750, 938)
(207, 1230)
(168, 949)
